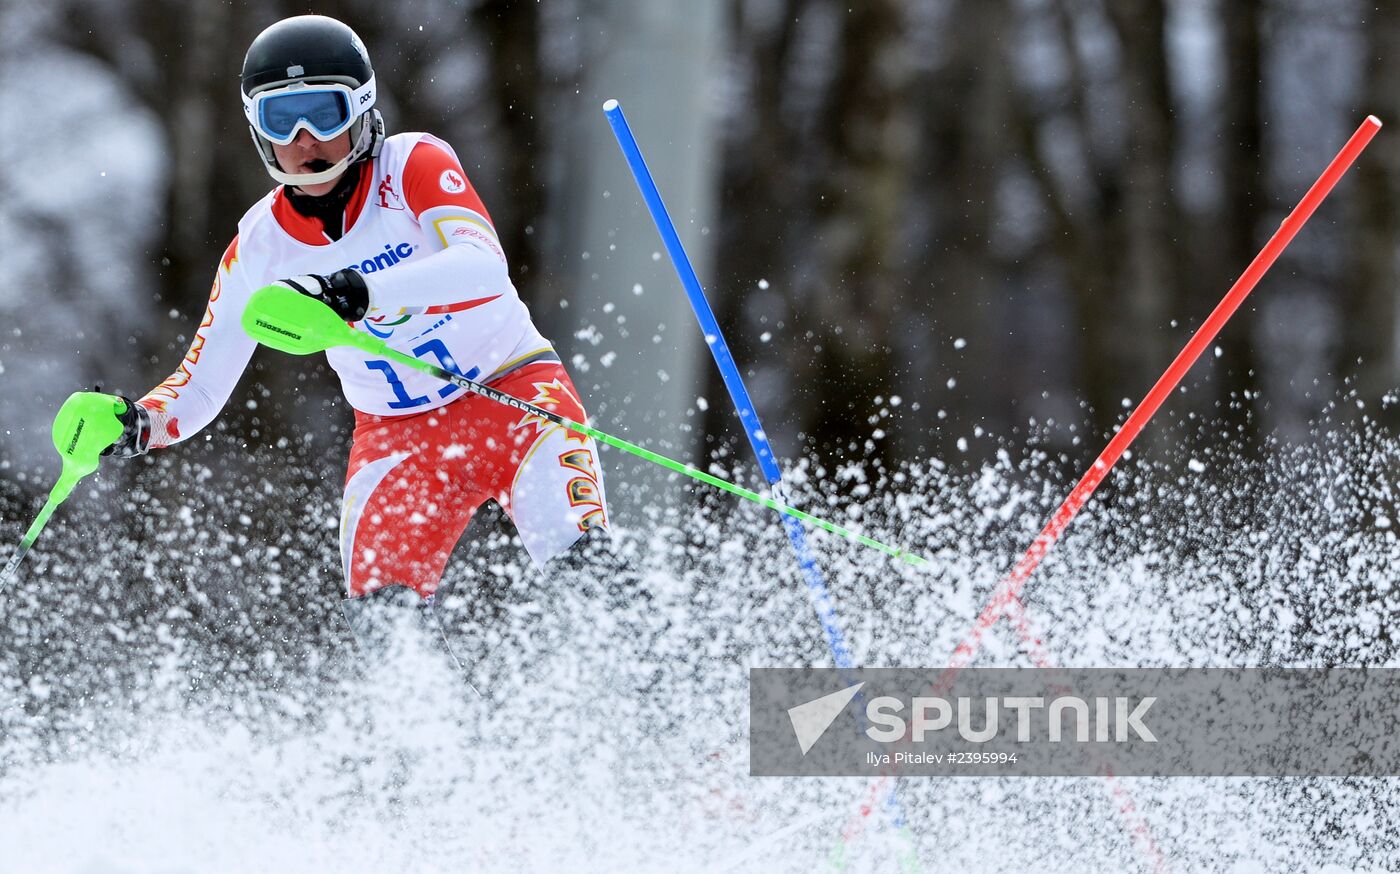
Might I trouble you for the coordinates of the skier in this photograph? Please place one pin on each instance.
(389, 233)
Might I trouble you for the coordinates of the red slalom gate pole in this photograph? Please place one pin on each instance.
(1008, 591)
(1010, 588)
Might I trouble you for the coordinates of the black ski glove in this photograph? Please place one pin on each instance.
(136, 432)
(344, 291)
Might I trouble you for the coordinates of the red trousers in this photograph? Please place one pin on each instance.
(414, 482)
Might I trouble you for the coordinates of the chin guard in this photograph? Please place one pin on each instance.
(368, 133)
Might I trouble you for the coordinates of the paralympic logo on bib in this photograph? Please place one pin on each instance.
(376, 325)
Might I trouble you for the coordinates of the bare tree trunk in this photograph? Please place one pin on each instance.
(1148, 269)
(1088, 232)
(1244, 216)
(513, 34)
(1370, 317)
(199, 223)
(964, 127)
(770, 191)
(857, 313)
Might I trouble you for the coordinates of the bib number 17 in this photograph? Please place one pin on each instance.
(402, 399)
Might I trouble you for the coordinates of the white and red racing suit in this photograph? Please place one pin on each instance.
(426, 454)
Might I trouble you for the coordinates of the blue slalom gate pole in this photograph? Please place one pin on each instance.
(733, 381)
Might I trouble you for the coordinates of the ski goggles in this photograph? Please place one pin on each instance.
(325, 110)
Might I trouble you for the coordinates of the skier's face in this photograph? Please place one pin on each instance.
(306, 154)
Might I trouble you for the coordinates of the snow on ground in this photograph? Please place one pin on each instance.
(178, 692)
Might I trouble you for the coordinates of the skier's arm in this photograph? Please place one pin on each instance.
(193, 395)
(469, 263)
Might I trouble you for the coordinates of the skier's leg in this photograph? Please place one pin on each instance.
(554, 488)
(557, 500)
(595, 563)
(399, 523)
(407, 501)
(389, 616)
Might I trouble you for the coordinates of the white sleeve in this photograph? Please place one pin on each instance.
(469, 264)
(193, 395)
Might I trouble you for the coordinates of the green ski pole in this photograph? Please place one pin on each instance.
(86, 424)
(291, 322)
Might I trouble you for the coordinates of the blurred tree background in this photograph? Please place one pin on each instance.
(931, 229)
(940, 226)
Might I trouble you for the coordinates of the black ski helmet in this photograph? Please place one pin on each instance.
(313, 49)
